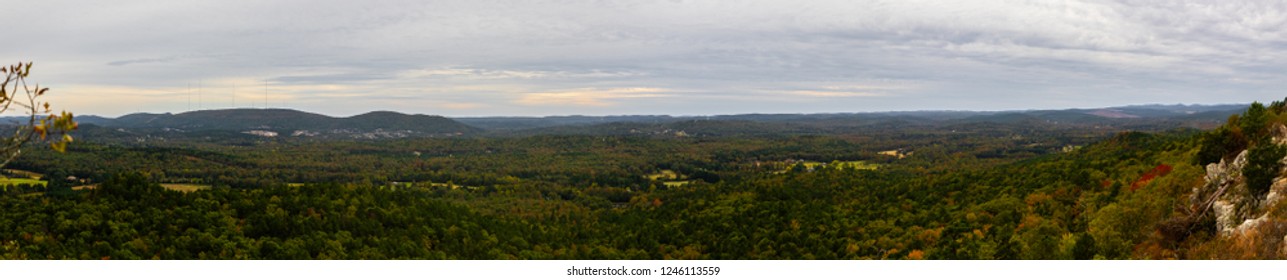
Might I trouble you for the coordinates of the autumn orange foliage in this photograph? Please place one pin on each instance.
(1160, 170)
(916, 255)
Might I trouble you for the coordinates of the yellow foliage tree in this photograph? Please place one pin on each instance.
(40, 122)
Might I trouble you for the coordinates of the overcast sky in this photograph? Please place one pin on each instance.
(483, 58)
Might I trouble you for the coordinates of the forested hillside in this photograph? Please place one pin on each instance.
(283, 122)
(879, 190)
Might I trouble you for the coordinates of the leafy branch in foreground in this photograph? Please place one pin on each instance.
(41, 122)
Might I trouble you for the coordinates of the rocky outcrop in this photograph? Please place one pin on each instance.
(1279, 134)
(1276, 193)
(1226, 196)
(1282, 252)
(1221, 179)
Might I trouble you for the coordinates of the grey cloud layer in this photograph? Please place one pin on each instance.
(675, 57)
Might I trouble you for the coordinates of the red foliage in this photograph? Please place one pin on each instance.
(1160, 170)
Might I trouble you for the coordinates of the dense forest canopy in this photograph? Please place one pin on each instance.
(1043, 185)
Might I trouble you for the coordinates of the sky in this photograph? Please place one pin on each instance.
(538, 58)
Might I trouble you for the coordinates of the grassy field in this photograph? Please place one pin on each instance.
(452, 186)
(665, 174)
(856, 165)
(676, 183)
(176, 187)
(185, 187)
(19, 181)
(426, 183)
(24, 173)
(669, 177)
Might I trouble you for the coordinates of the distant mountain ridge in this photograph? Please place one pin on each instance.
(1177, 111)
(387, 124)
(286, 122)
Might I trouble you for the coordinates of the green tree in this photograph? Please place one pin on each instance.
(1262, 167)
(1254, 121)
(1085, 247)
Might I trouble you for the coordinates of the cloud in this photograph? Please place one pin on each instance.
(460, 105)
(588, 96)
(142, 60)
(835, 91)
(817, 93)
(473, 73)
(490, 74)
(533, 56)
(333, 78)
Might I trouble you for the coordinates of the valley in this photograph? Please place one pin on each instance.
(248, 184)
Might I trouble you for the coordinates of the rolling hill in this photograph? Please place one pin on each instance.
(289, 122)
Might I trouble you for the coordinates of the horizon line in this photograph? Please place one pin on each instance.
(679, 115)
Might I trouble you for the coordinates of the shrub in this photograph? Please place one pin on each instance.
(1262, 167)
(1220, 144)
